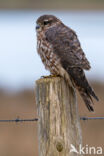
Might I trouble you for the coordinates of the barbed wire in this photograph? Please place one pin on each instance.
(36, 119)
(91, 118)
(20, 120)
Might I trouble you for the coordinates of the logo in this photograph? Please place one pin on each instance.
(86, 150)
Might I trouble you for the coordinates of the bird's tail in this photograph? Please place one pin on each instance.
(78, 77)
(87, 99)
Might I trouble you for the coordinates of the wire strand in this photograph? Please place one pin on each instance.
(36, 119)
(91, 118)
(20, 120)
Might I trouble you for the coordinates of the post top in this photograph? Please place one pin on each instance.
(48, 79)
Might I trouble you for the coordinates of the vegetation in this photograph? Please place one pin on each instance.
(53, 4)
(20, 139)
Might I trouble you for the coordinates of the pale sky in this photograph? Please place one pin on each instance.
(20, 65)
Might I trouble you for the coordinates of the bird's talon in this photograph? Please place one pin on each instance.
(49, 76)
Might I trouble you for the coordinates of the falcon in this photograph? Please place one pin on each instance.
(61, 53)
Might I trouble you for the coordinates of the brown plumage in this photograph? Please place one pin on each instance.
(61, 53)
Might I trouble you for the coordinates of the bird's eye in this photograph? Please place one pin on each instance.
(46, 22)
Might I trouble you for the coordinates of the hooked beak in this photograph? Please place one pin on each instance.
(37, 26)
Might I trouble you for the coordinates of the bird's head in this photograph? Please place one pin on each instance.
(46, 21)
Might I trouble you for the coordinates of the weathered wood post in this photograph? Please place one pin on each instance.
(58, 125)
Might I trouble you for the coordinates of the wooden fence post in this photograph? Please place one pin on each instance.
(58, 125)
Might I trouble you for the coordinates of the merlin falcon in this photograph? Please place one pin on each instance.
(61, 53)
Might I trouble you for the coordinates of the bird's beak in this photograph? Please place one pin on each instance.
(37, 26)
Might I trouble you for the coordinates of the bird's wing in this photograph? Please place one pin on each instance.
(67, 46)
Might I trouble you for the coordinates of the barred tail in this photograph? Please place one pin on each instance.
(78, 77)
(87, 99)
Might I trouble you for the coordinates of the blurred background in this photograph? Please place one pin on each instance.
(20, 66)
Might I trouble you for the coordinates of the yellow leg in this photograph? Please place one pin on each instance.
(49, 76)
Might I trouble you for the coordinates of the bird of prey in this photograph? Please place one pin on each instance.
(61, 53)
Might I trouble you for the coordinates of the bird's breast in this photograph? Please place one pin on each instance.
(48, 57)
